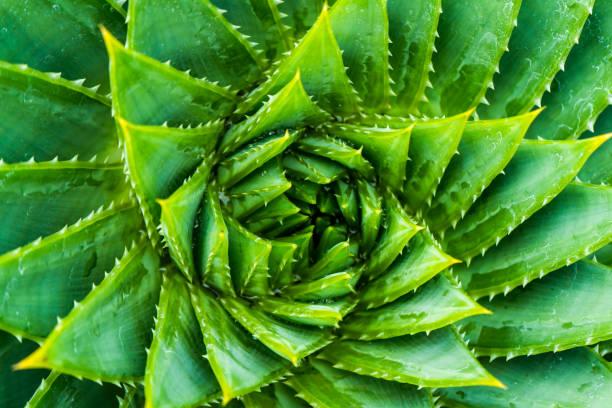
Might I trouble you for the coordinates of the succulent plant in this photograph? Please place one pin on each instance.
(353, 204)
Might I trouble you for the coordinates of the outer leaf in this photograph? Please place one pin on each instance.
(42, 280)
(361, 29)
(105, 337)
(536, 174)
(40, 198)
(566, 309)
(177, 374)
(584, 90)
(317, 52)
(545, 34)
(160, 158)
(62, 36)
(437, 304)
(148, 92)
(16, 387)
(70, 119)
(438, 360)
(178, 217)
(576, 223)
(240, 363)
(289, 341)
(64, 391)
(574, 378)
(195, 36)
(322, 385)
(485, 149)
(420, 261)
(412, 29)
(473, 37)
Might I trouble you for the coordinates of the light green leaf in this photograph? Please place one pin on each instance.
(436, 360)
(104, 337)
(240, 363)
(576, 223)
(177, 374)
(574, 378)
(313, 168)
(330, 286)
(437, 304)
(300, 15)
(41, 281)
(370, 202)
(290, 341)
(313, 314)
(148, 92)
(322, 385)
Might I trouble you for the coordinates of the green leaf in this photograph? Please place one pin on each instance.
(259, 20)
(397, 231)
(317, 52)
(584, 89)
(280, 263)
(545, 34)
(178, 217)
(41, 281)
(432, 146)
(322, 385)
(437, 304)
(386, 149)
(240, 363)
(330, 286)
(421, 260)
(338, 151)
(211, 249)
(300, 15)
(312, 314)
(160, 158)
(248, 260)
(177, 374)
(598, 169)
(484, 150)
(279, 207)
(148, 92)
(473, 37)
(62, 36)
(290, 107)
(337, 258)
(412, 30)
(104, 337)
(436, 360)
(70, 119)
(40, 198)
(361, 29)
(16, 387)
(292, 342)
(64, 391)
(313, 168)
(566, 309)
(241, 164)
(576, 223)
(604, 255)
(194, 36)
(370, 202)
(259, 188)
(538, 171)
(346, 196)
(574, 378)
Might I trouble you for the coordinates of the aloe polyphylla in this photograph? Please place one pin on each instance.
(358, 203)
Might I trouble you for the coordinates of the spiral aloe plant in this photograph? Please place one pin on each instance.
(357, 203)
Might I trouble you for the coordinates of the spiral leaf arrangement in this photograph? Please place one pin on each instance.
(343, 205)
